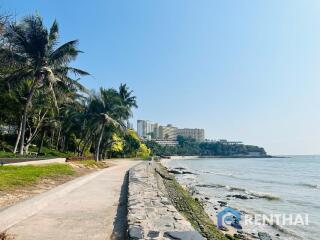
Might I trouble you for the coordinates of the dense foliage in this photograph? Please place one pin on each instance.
(44, 106)
(189, 147)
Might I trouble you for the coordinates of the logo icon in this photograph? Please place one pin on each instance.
(229, 217)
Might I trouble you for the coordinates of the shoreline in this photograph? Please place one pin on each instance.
(191, 208)
(211, 206)
(216, 156)
(188, 178)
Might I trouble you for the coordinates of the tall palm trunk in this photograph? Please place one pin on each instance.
(85, 145)
(42, 140)
(25, 115)
(18, 137)
(58, 138)
(97, 155)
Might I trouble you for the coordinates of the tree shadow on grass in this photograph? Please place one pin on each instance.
(120, 223)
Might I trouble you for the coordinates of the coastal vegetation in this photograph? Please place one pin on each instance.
(190, 147)
(46, 111)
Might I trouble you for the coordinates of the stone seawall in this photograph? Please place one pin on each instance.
(151, 215)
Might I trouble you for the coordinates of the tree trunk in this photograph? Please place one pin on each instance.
(53, 133)
(42, 140)
(26, 148)
(25, 115)
(18, 137)
(82, 139)
(58, 138)
(85, 145)
(97, 155)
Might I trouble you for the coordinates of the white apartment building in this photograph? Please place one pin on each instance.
(150, 130)
(195, 133)
(168, 132)
(147, 129)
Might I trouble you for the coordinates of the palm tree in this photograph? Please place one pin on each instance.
(37, 59)
(105, 108)
(128, 100)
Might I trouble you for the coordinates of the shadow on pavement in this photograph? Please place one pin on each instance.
(120, 223)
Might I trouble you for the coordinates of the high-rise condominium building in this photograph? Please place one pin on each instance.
(195, 133)
(168, 132)
(146, 129)
(149, 130)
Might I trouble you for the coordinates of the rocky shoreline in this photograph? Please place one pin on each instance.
(213, 206)
(161, 208)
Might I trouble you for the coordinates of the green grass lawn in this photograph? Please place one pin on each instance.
(12, 177)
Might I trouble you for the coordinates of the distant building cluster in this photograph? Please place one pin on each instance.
(167, 135)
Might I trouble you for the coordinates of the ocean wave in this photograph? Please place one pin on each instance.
(210, 185)
(251, 193)
(285, 231)
(232, 175)
(267, 196)
(310, 185)
(231, 188)
(304, 203)
(218, 173)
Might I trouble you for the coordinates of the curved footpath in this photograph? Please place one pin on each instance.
(101, 206)
(84, 208)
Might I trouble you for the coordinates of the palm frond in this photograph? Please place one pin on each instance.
(65, 53)
(77, 71)
(7, 56)
(54, 33)
(37, 37)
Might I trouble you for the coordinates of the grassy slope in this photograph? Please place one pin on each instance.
(12, 177)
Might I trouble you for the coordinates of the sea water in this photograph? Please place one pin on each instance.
(286, 186)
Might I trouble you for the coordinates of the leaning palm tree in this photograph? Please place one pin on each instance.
(37, 59)
(105, 109)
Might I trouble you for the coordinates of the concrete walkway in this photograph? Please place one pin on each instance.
(85, 208)
(39, 162)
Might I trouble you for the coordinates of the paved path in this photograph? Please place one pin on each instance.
(85, 208)
(39, 162)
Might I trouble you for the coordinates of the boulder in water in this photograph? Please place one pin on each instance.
(264, 236)
(239, 196)
(174, 171)
(187, 172)
(222, 203)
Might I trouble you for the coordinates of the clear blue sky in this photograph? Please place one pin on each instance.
(243, 70)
